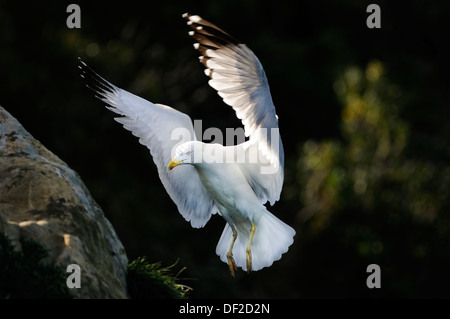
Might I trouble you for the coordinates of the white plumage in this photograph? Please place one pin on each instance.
(253, 238)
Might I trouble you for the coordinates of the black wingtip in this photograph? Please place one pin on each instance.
(93, 80)
(207, 33)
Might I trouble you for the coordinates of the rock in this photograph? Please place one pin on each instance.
(42, 199)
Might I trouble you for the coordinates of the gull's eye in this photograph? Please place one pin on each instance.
(188, 152)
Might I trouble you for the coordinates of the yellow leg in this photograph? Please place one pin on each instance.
(231, 262)
(249, 249)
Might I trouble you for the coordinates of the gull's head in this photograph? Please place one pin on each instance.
(184, 154)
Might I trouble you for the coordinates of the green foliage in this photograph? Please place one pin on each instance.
(369, 168)
(383, 204)
(24, 275)
(149, 281)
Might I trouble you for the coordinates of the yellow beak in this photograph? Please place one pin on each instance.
(174, 163)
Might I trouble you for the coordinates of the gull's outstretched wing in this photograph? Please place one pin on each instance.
(160, 128)
(239, 79)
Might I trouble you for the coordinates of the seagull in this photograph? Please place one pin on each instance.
(208, 178)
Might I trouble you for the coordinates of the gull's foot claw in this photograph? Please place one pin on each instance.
(231, 265)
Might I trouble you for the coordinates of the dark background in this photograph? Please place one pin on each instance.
(363, 115)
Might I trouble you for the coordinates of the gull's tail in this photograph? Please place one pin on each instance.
(272, 238)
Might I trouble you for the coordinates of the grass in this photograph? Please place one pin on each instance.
(23, 275)
(150, 280)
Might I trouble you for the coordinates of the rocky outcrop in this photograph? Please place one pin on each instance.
(42, 199)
